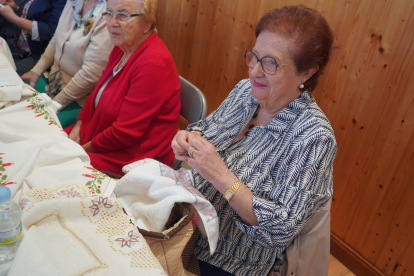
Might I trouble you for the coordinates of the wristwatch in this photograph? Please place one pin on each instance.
(230, 192)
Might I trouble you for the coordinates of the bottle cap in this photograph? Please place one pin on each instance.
(5, 194)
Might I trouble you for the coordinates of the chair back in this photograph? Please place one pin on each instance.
(193, 102)
(193, 107)
(309, 252)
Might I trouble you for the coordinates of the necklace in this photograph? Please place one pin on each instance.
(120, 63)
(254, 117)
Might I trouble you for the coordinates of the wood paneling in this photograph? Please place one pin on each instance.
(366, 92)
(336, 268)
(349, 258)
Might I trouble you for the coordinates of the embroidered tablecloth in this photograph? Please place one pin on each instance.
(12, 88)
(72, 226)
(36, 152)
(67, 232)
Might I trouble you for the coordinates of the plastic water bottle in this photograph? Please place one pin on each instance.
(10, 226)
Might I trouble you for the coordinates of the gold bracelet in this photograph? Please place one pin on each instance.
(230, 192)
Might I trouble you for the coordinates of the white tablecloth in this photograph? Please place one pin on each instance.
(71, 224)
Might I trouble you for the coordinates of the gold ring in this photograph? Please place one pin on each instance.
(191, 154)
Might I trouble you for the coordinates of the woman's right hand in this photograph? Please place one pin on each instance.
(180, 144)
(75, 133)
(31, 77)
(10, 3)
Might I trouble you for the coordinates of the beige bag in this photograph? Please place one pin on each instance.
(174, 247)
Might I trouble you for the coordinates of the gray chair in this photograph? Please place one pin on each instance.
(193, 106)
(193, 102)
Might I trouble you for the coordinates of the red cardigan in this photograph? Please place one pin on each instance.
(137, 114)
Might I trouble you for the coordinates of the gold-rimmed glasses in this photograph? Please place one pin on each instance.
(269, 64)
(119, 16)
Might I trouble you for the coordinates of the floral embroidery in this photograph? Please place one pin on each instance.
(7, 85)
(69, 193)
(95, 184)
(23, 203)
(98, 204)
(3, 177)
(39, 108)
(130, 240)
(129, 167)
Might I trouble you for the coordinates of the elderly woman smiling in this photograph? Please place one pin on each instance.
(133, 112)
(264, 157)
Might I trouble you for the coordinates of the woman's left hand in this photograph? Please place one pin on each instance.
(205, 159)
(88, 147)
(8, 13)
(207, 162)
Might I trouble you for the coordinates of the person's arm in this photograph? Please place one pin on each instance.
(48, 57)
(304, 185)
(94, 61)
(88, 147)
(214, 119)
(10, 15)
(149, 89)
(211, 124)
(75, 132)
(46, 60)
(46, 28)
(10, 3)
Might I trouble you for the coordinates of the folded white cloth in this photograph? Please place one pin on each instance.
(6, 58)
(13, 93)
(69, 233)
(149, 191)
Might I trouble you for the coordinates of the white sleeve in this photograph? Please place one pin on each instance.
(35, 32)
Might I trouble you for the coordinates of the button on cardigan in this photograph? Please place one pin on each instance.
(287, 164)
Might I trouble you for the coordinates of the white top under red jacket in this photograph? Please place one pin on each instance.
(287, 164)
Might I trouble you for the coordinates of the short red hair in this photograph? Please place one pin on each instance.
(310, 34)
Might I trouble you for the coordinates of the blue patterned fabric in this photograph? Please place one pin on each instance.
(287, 164)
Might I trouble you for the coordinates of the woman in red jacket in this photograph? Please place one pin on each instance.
(133, 112)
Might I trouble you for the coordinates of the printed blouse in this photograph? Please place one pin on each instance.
(287, 164)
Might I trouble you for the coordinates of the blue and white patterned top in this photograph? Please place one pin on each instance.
(287, 164)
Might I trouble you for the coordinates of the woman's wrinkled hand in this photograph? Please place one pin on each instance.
(205, 159)
(8, 13)
(75, 133)
(180, 144)
(30, 77)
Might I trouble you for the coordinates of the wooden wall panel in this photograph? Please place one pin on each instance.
(366, 92)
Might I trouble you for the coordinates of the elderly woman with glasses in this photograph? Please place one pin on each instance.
(264, 157)
(133, 111)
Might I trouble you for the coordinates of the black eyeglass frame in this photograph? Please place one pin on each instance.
(117, 18)
(261, 64)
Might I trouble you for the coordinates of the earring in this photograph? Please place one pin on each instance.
(301, 85)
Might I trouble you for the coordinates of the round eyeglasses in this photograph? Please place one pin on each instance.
(269, 64)
(119, 16)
